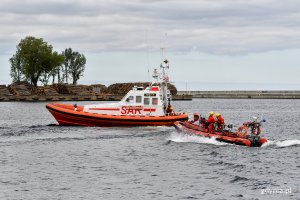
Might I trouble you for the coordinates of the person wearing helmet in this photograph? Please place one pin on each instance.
(210, 121)
(220, 122)
(196, 118)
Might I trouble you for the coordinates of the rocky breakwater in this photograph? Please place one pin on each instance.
(4, 93)
(23, 91)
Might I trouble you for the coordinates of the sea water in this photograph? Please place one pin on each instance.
(40, 160)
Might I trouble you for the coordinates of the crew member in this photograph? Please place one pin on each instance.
(220, 122)
(210, 121)
(169, 109)
(196, 118)
(255, 126)
(203, 123)
(75, 107)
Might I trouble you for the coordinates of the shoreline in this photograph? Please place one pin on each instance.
(23, 91)
(100, 97)
(180, 96)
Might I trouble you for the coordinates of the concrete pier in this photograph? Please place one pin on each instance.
(244, 94)
(182, 97)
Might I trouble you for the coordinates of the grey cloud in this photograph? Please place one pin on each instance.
(211, 26)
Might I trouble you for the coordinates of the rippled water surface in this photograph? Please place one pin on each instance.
(40, 160)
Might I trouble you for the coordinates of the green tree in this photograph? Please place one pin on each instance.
(74, 65)
(52, 70)
(60, 79)
(37, 59)
(16, 68)
(66, 64)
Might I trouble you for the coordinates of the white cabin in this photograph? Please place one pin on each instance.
(138, 101)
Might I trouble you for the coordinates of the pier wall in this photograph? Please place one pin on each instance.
(244, 94)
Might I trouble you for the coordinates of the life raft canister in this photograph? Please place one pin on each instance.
(154, 88)
(242, 131)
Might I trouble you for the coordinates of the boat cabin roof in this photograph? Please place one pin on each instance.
(143, 96)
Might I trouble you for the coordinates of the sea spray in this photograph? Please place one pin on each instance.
(285, 143)
(180, 137)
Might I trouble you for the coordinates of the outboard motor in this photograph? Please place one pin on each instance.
(255, 131)
(255, 140)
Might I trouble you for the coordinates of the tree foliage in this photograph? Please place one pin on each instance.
(16, 68)
(74, 65)
(51, 70)
(35, 59)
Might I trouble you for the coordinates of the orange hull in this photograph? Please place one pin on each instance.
(225, 137)
(66, 115)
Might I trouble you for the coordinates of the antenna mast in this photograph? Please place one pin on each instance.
(165, 78)
(148, 62)
(162, 52)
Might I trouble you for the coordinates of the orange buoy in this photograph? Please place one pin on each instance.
(242, 131)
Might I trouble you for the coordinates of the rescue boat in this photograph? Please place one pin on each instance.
(241, 137)
(149, 106)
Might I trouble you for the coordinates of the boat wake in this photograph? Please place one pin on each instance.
(282, 144)
(56, 133)
(180, 137)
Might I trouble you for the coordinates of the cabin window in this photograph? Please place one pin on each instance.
(146, 101)
(129, 99)
(154, 101)
(138, 99)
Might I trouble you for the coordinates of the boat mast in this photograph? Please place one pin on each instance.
(164, 79)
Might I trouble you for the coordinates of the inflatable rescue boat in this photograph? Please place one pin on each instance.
(240, 138)
(139, 107)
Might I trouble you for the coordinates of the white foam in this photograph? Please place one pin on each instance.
(155, 128)
(285, 143)
(179, 137)
(268, 143)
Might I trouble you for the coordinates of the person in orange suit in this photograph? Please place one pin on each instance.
(169, 109)
(210, 122)
(220, 122)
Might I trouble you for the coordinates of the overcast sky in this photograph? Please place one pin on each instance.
(219, 44)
